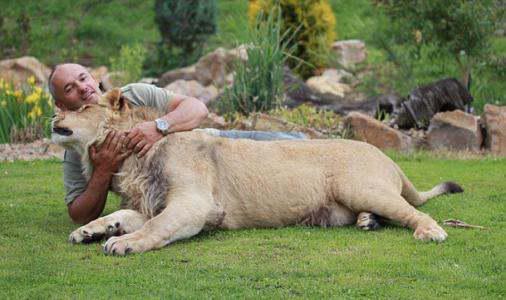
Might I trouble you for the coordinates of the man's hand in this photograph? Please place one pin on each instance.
(142, 137)
(109, 157)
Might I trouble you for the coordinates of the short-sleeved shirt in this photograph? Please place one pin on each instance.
(138, 94)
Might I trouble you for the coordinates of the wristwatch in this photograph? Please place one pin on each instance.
(162, 126)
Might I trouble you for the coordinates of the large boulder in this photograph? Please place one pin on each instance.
(454, 130)
(214, 67)
(367, 129)
(350, 52)
(194, 89)
(494, 120)
(18, 70)
(187, 73)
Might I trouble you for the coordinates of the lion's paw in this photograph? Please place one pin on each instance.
(123, 245)
(367, 221)
(93, 231)
(430, 233)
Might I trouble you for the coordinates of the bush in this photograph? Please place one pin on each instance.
(185, 25)
(24, 113)
(129, 63)
(459, 29)
(312, 23)
(258, 82)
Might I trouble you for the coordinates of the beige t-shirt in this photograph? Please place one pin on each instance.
(138, 94)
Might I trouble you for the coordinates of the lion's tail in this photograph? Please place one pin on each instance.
(416, 198)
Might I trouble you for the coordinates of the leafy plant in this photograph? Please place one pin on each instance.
(460, 29)
(24, 113)
(185, 25)
(258, 82)
(312, 23)
(129, 63)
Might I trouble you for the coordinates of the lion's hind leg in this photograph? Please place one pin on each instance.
(392, 206)
(118, 223)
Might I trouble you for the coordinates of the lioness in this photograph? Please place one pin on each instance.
(192, 181)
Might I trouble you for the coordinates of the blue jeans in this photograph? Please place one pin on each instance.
(256, 135)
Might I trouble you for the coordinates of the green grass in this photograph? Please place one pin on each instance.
(36, 260)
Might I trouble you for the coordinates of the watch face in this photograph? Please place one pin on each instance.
(162, 124)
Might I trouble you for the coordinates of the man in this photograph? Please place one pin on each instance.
(72, 86)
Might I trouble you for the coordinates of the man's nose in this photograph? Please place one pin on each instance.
(81, 86)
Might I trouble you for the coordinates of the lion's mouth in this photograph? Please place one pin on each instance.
(62, 131)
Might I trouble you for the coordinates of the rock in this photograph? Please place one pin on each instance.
(372, 131)
(494, 120)
(194, 89)
(187, 73)
(263, 122)
(454, 130)
(350, 52)
(340, 76)
(99, 73)
(214, 121)
(214, 67)
(298, 92)
(18, 70)
(328, 85)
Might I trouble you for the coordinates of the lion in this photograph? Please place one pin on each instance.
(194, 181)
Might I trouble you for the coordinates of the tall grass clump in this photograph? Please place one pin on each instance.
(258, 82)
(24, 112)
(129, 63)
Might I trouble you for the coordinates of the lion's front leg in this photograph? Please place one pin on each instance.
(185, 216)
(120, 222)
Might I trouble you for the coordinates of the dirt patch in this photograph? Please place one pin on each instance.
(40, 149)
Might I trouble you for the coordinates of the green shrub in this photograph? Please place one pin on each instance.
(185, 25)
(258, 82)
(129, 63)
(312, 23)
(24, 112)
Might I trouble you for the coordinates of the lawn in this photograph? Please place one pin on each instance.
(36, 260)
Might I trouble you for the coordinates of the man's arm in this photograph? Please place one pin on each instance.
(184, 113)
(106, 161)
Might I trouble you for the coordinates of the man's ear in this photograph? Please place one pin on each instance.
(115, 101)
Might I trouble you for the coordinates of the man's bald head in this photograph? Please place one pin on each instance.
(72, 86)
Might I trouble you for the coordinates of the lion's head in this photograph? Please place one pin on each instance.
(77, 130)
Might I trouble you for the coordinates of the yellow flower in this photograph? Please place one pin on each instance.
(37, 111)
(37, 90)
(31, 115)
(18, 94)
(3, 104)
(31, 80)
(32, 98)
(8, 92)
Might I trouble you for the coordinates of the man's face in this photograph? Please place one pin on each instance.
(74, 86)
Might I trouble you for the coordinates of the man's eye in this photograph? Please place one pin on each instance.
(83, 78)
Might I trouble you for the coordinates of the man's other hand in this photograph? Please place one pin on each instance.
(142, 137)
(110, 155)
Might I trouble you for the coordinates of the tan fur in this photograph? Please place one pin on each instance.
(205, 181)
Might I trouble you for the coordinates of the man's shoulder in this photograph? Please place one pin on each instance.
(141, 94)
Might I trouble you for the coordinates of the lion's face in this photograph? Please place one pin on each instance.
(74, 128)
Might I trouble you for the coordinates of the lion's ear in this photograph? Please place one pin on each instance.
(115, 100)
